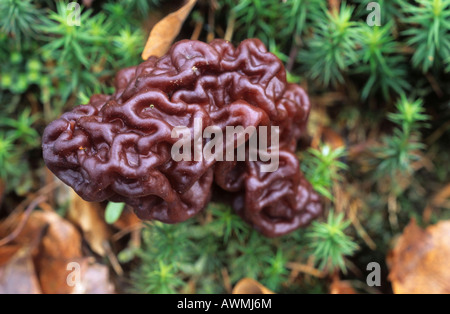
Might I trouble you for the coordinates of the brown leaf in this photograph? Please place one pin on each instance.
(60, 245)
(440, 199)
(62, 239)
(128, 221)
(250, 286)
(7, 252)
(334, 5)
(341, 287)
(95, 280)
(19, 276)
(165, 31)
(53, 274)
(419, 261)
(87, 3)
(89, 217)
(332, 138)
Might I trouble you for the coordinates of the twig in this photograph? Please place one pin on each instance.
(226, 280)
(306, 269)
(334, 5)
(438, 133)
(112, 258)
(293, 53)
(230, 26)
(10, 237)
(434, 85)
(44, 190)
(120, 234)
(197, 30)
(359, 228)
(211, 23)
(393, 210)
(437, 200)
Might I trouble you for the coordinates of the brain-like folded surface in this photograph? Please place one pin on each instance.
(118, 147)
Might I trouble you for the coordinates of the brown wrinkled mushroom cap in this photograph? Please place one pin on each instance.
(118, 147)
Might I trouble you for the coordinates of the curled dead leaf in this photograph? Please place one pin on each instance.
(7, 252)
(94, 278)
(165, 31)
(332, 138)
(60, 246)
(89, 217)
(250, 286)
(419, 261)
(440, 199)
(341, 287)
(18, 276)
(128, 220)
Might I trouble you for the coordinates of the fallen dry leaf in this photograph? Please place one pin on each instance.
(332, 138)
(95, 280)
(420, 259)
(53, 243)
(250, 286)
(127, 221)
(15, 223)
(19, 276)
(165, 31)
(440, 199)
(60, 245)
(7, 252)
(341, 287)
(89, 217)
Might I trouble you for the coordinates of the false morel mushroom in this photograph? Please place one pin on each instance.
(118, 147)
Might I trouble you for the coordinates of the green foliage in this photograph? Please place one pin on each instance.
(20, 72)
(428, 31)
(18, 19)
(227, 223)
(157, 278)
(22, 128)
(332, 48)
(126, 43)
(139, 7)
(79, 51)
(402, 148)
(199, 251)
(322, 167)
(275, 273)
(329, 242)
(379, 56)
(261, 19)
(18, 136)
(6, 155)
